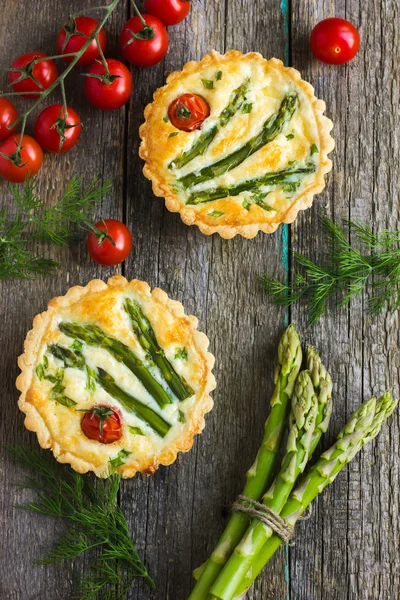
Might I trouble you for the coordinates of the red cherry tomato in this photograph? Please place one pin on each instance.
(23, 164)
(103, 424)
(170, 12)
(188, 112)
(102, 249)
(8, 114)
(150, 44)
(334, 41)
(69, 40)
(34, 77)
(56, 133)
(108, 93)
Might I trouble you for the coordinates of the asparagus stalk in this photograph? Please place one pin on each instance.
(322, 383)
(70, 358)
(131, 404)
(76, 359)
(95, 336)
(363, 426)
(235, 103)
(271, 128)
(302, 420)
(260, 474)
(290, 175)
(147, 339)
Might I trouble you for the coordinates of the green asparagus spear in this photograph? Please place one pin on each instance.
(147, 339)
(271, 128)
(236, 101)
(302, 422)
(131, 404)
(94, 336)
(269, 179)
(260, 474)
(70, 358)
(322, 383)
(363, 426)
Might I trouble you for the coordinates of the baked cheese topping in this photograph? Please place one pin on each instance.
(124, 347)
(258, 158)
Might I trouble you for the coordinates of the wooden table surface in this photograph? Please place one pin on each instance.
(349, 548)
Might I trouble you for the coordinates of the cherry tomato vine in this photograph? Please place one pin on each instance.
(81, 42)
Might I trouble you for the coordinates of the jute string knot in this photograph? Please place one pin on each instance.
(266, 515)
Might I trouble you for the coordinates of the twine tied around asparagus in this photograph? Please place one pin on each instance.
(266, 515)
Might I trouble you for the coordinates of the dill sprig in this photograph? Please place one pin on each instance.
(373, 262)
(31, 219)
(96, 521)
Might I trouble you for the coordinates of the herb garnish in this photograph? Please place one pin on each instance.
(314, 149)
(119, 459)
(246, 204)
(135, 430)
(173, 134)
(216, 213)
(181, 353)
(247, 108)
(208, 84)
(182, 111)
(95, 519)
(218, 76)
(346, 271)
(166, 119)
(32, 219)
(290, 136)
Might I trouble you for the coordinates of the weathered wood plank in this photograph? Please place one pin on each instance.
(348, 548)
(25, 537)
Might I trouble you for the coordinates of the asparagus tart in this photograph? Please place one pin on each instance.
(115, 376)
(236, 144)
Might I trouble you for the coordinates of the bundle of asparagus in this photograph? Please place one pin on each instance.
(301, 402)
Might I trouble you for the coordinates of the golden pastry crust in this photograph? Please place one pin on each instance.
(158, 148)
(58, 427)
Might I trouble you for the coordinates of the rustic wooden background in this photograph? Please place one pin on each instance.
(349, 549)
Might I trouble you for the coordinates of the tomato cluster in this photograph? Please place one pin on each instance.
(108, 82)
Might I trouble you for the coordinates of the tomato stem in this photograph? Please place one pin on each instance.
(139, 14)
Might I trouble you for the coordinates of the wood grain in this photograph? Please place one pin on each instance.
(349, 549)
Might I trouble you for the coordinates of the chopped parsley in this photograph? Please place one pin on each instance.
(314, 149)
(247, 108)
(181, 417)
(45, 361)
(40, 371)
(166, 119)
(90, 379)
(119, 459)
(173, 134)
(181, 353)
(208, 84)
(290, 136)
(218, 76)
(246, 204)
(291, 186)
(216, 213)
(77, 346)
(135, 430)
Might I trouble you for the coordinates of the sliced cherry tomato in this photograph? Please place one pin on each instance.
(110, 242)
(144, 45)
(74, 34)
(188, 112)
(54, 132)
(108, 91)
(170, 12)
(22, 164)
(8, 114)
(30, 76)
(334, 41)
(103, 424)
